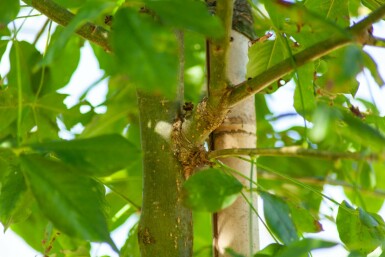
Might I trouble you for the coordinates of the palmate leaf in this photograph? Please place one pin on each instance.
(211, 190)
(74, 203)
(99, 156)
(145, 51)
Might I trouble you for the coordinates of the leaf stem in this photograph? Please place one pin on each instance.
(294, 151)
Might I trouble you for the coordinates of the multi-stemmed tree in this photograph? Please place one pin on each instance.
(177, 141)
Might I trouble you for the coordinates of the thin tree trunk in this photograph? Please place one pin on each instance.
(236, 227)
(165, 228)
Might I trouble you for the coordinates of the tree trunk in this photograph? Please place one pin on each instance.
(236, 227)
(165, 227)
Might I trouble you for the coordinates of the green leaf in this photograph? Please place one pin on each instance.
(373, 4)
(14, 198)
(303, 219)
(8, 11)
(23, 60)
(362, 133)
(89, 11)
(100, 156)
(66, 61)
(358, 230)
(371, 65)
(263, 55)
(74, 203)
(145, 51)
(202, 234)
(343, 67)
(302, 247)
(131, 246)
(335, 11)
(188, 14)
(304, 95)
(8, 108)
(119, 210)
(270, 250)
(278, 218)
(33, 229)
(211, 190)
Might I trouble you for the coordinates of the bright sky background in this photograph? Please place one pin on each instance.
(13, 246)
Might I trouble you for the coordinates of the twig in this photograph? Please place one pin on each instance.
(294, 151)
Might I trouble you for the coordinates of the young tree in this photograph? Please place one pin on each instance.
(164, 151)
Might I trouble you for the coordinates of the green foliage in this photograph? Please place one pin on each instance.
(211, 190)
(82, 198)
(277, 215)
(8, 11)
(298, 248)
(98, 156)
(359, 230)
(60, 195)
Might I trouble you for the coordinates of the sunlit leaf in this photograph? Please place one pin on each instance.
(81, 198)
(66, 61)
(8, 10)
(89, 11)
(277, 215)
(304, 95)
(211, 190)
(371, 65)
(373, 4)
(303, 219)
(145, 51)
(335, 11)
(99, 156)
(14, 198)
(358, 230)
(131, 246)
(270, 250)
(192, 15)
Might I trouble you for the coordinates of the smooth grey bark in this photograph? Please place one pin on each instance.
(237, 226)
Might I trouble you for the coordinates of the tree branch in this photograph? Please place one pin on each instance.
(218, 52)
(294, 151)
(62, 16)
(358, 34)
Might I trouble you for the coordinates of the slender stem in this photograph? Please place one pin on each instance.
(293, 151)
(41, 31)
(322, 181)
(62, 16)
(358, 34)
